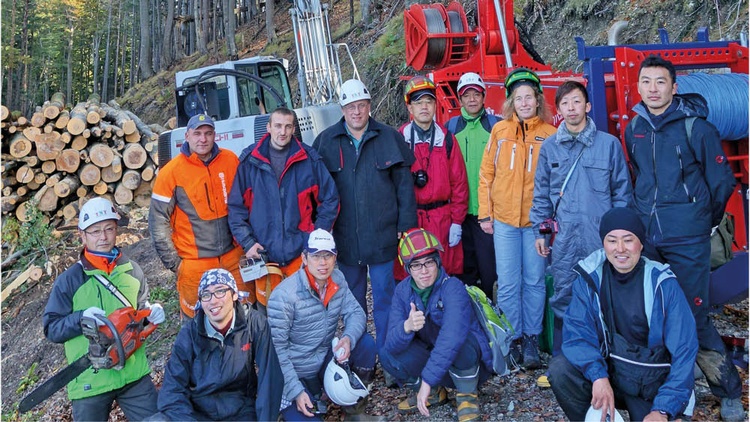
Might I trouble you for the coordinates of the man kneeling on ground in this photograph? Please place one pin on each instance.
(304, 312)
(211, 374)
(636, 352)
(434, 339)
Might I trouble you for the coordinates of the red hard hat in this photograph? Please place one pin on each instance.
(416, 244)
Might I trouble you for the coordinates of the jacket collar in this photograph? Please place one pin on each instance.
(586, 136)
(239, 322)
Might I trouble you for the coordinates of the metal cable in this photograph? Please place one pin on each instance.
(727, 98)
(435, 46)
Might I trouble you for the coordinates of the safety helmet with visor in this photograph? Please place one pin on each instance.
(522, 76)
(342, 385)
(418, 87)
(417, 243)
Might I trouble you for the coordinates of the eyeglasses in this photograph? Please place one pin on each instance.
(429, 264)
(206, 296)
(98, 232)
(350, 108)
(318, 257)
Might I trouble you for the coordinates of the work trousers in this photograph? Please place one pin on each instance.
(691, 265)
(573, 392)
(479, 256)
(137, 401)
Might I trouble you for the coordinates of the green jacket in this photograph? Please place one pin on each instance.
(76, 290)
(472, 134)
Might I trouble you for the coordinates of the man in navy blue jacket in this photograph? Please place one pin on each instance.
(281, 193)
(682, 184)
(650, 315)
(211, 374)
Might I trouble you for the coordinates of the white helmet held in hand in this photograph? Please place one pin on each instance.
(470, 80)
(353, 90)
(342, 385)
(96, 210)
(594, 415)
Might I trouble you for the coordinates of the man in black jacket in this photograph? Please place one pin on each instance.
(683, 182)
(211, 374)
(370, 163)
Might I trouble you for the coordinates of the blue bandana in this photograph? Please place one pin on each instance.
(212, 277)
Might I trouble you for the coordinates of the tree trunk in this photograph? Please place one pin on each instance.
(101, 155)
(77, 123)
(68, 161)
(270, 26)
(65, 187)
(20, 146)
(79, 143)
(62, 119)
(230, 25)
(146, 63)
(89, 174)
(70, 211)
(49, 145)
(46, 199)
(202, 11)
(123, 195)
(25, 174)
(142, 195)
(49, 167)
(134, 156)
(131, 179)
(100, 188)
(167, 45)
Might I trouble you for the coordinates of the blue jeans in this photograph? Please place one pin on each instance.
(520, 278)
(381, 280)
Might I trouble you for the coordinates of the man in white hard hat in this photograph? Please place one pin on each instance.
(188, 217)
(629, 338)
(371, 165)
(102, 281)
(304, 313)
(472, 130)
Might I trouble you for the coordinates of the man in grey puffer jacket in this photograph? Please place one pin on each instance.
(304, 312)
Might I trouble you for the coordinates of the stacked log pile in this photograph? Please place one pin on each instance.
(61, 156)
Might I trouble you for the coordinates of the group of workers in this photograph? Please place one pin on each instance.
(421, 212)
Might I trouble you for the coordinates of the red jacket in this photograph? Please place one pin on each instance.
(444, 200)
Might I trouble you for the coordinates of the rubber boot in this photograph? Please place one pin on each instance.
(467, 395)
(438, 396)
(357, 412)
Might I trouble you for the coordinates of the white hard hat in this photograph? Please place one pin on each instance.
(353, 90)
(470, 80)
(96, 210)
(594, 415)
(342, 385)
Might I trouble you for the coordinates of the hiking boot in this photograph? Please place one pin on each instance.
(516, 353)
(357, 412)
(732, 410)
(389, 380)
(543, 381)
(468, 406)
(531, 358)
(436, 398)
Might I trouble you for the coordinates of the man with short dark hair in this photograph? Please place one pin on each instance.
(102, 281)
(682, 184)
(211, 374)
(589, 167)
(188, 214)
(628, 337)
(281, 193)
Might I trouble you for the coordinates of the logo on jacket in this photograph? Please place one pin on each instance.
(223, 186)
(246, 347)
(720, 159)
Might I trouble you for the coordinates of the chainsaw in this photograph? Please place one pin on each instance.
(110, 345)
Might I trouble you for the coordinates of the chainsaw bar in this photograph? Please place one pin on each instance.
(52, 385)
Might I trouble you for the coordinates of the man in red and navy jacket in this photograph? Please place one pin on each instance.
(281, 193)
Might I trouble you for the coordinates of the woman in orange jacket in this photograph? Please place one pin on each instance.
(506, 187)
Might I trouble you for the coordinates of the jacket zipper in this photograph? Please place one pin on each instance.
(656, 181)
(512, 157)
(531, 154)
(633, 362)
(682, 174)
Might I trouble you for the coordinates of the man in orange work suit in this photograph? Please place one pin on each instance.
(188, 215)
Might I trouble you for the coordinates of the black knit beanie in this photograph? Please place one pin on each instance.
(622, 219)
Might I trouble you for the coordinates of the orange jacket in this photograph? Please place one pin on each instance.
(506, 176)
(188, 215)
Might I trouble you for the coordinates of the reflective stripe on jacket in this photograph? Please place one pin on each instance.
(506, 177)
(188, 215)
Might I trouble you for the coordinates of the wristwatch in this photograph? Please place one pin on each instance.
(669, 417)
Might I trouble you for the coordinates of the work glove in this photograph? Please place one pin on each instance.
(92, 312)
(454, 235)
(157, 314)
